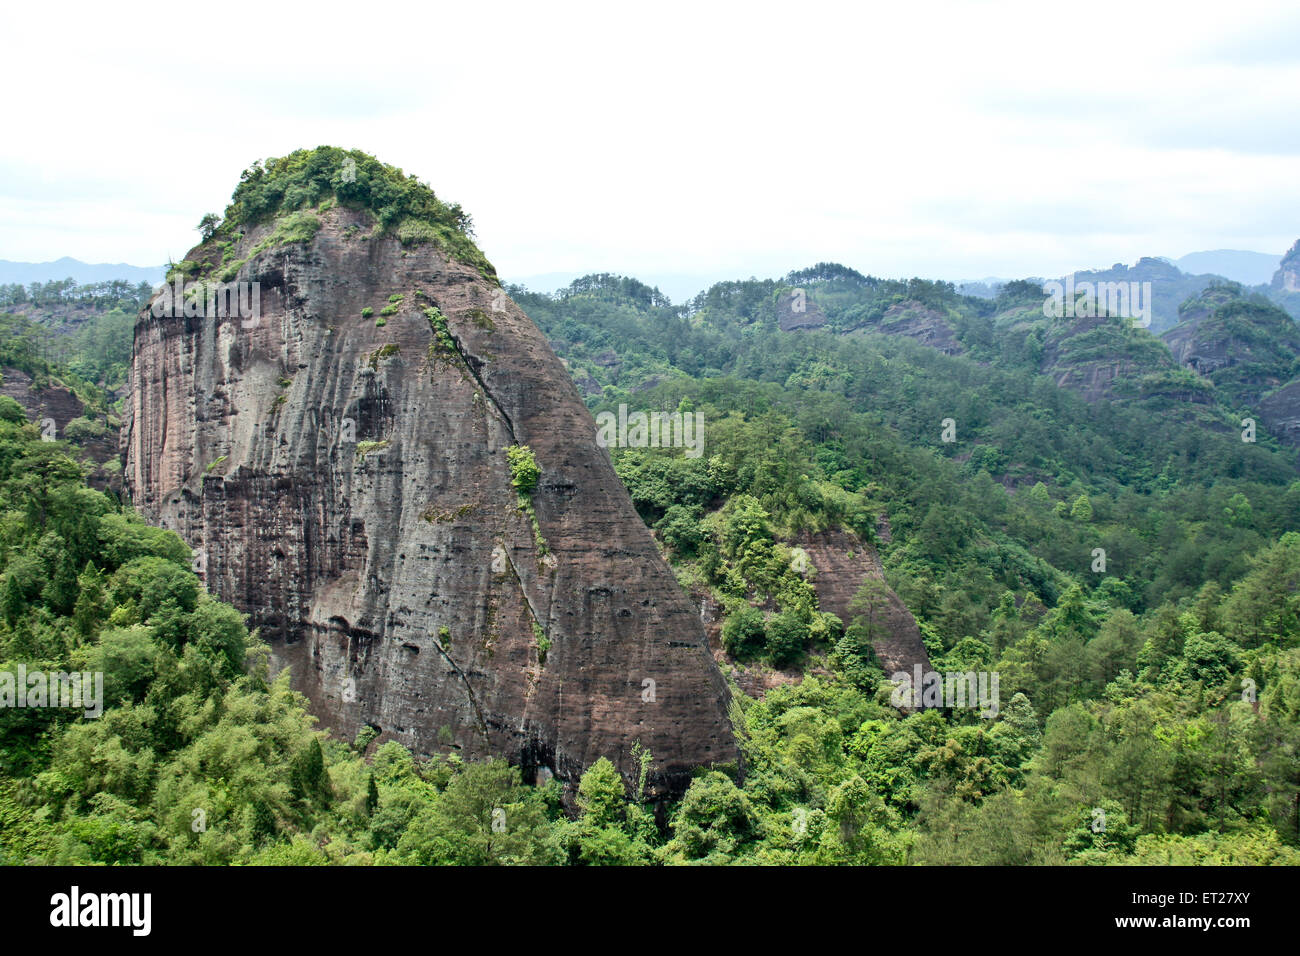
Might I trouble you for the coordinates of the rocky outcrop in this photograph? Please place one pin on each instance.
(60, 405)
(55, 403)
(795, 312)
(1249, 349)
(1280, 412)
(345, 482)
(844, 563)
(916, 321)
(1220, 329)
(1287, 277)
(923, 324)
(1102, 357)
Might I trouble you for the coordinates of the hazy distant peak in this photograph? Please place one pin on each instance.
(84, 273)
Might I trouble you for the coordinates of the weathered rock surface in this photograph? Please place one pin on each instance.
(1287, 277)
(1090, 355)
(916, 321)
(1280, 412)
(796, 312)
(844, 563)
(346, 485)
(1249, 350)
(923, 324)
(52, 402)
(1263, 342)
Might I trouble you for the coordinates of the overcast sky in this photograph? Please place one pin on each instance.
(944, 140)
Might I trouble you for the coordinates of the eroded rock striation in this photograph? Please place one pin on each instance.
(344, 481)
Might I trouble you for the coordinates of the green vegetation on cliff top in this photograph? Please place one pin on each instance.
(402, 205)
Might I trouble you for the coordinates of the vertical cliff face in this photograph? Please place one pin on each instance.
(344, 480)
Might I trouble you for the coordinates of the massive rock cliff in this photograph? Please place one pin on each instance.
(1222, 329)
(344, 480)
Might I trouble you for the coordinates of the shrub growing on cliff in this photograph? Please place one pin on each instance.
(743, 633)
(438, 324)
(786, 635)
(524, 470)
(86, 429)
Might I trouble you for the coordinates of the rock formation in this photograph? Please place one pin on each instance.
(343, 479)
(53, 407)
(795, 312)
(844, 564)
(1249, 349)
(1287, 277)
(925, 325)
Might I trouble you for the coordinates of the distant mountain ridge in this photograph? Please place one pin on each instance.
(680, 287)
(26, 273)
(1248, 268)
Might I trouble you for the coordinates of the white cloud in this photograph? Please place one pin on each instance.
(955, 140)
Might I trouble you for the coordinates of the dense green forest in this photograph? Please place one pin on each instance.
(1130, 687)
(1160, 696)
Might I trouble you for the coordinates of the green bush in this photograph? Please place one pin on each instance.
(413, 232)
(11, 411)
(680, 529)
(787, 633)
(744, 635)
(84, 429)
(524, 470)
(438, 324)
(295, 227)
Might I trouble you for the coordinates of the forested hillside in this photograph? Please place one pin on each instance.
(1069, 437)
(68, 379)
(1157, 692)
(83, 329)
